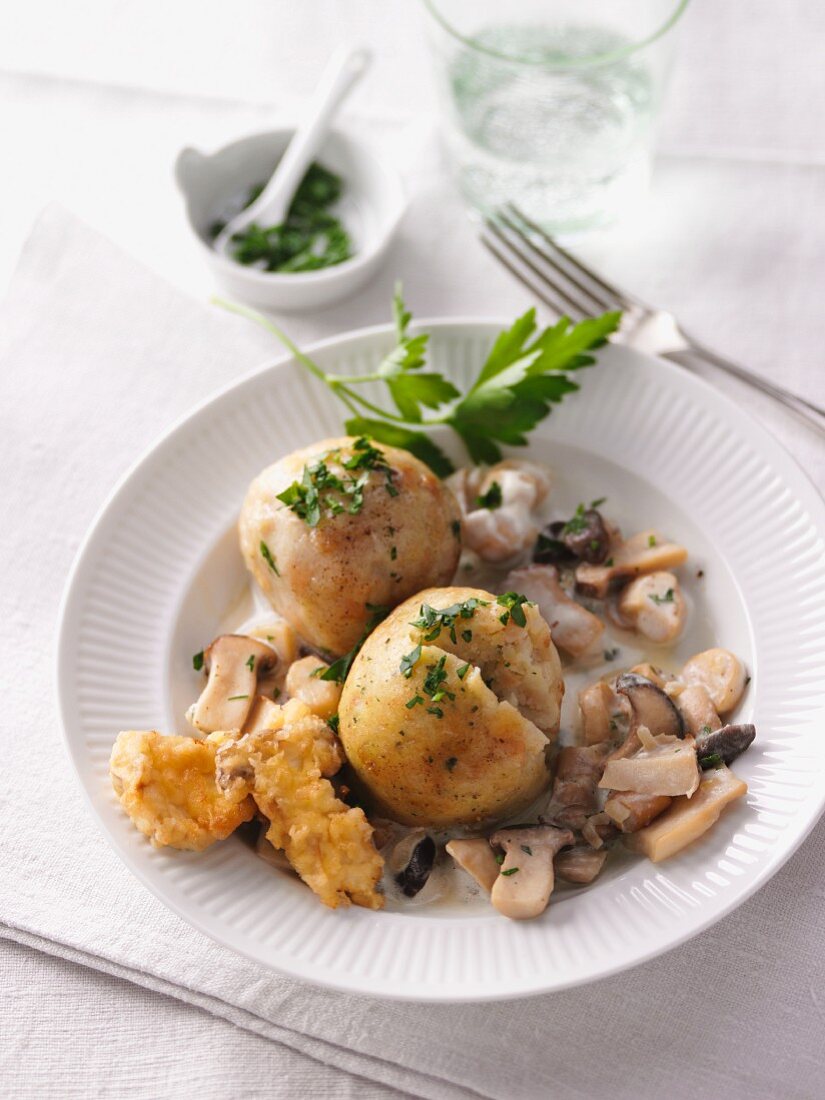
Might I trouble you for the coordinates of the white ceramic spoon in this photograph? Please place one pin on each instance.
(343, 71)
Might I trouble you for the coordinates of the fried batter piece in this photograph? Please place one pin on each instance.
(166, 785)
(284, 769)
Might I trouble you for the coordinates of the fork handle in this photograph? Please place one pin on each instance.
(810, 412)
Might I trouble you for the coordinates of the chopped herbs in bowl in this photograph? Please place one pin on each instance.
(311, 238)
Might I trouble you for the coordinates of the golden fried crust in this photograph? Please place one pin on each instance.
(167, 787)
(328, 843)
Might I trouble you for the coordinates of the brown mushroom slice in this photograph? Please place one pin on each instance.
(646, 552)
(604, 715)
(663, 765)
(720, 673)
(233, 662)
(696, 708)
(724, 744)
(303, 681)
(575, 788)
(526, 878)
(653, 606)
(687, 819)
(580, 864)
(573, 627)
(630, 811)
(476, 857)
(651, 706)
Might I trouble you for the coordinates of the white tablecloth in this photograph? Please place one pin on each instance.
(97, 103)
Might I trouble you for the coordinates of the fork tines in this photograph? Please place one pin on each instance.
(552, 273)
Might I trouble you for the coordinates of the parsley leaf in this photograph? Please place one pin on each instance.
(491, 499)
(657, 599)
(339, 669)
(523, 376)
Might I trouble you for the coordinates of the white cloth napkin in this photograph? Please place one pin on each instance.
(97, 357)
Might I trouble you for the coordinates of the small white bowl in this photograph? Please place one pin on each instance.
(370, 208)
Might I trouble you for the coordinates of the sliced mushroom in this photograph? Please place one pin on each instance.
(605, 715)
(416, 853)
(525, 881)
(696, 708)
(663, 765)
(656, 675)
(630, 811)
(477, 858)
(653, 606)
(575, 788)
(646, 552)
(651, 706)
(264, 714)
(586, 536)
(234, 662)
(724, 744)
(598, 829)
(687, 819)
(574, 628)
(303, 681)
(580, 864)
(722, 675)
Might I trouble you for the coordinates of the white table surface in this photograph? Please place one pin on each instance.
(96, 100)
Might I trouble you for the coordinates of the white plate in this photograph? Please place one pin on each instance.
(160, 570)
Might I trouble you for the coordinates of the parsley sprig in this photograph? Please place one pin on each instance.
(524, 375)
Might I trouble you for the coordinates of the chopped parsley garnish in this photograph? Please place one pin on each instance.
(416, 699)
(250, 662)
(309, 238)
(467, 635)
(462, 672)
(527, 371)
(339, 669)
(409, 661)
(276, 693)
(598, 502)
(437, 711)
(515, 604)
(333, 723)
(455, 527)
(197, 661)
(705, 730)
(393, 553)
(433, 620)
(657, 599)
(712, 760)
(609, 563)
(232, 698)
(450, 763)
(651, 540)
(435, 679)
(510, 871)
(499, 859)
(266, 554)
(321, 492)
(526, 848)
(577, 522)
(492, 499)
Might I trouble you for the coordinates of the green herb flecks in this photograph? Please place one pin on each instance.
(657, 599)
(310, 238)
(492, 499)
(450, 763)
(338, 670)
(321, 492)
(514, 604)
(525, 373)
(197, 661)
(250, 662)
(232, 698)
(409, 661)
(712, 760)
(510, 871)
(462, 672)
(333, 722)
(527, 849)
(266, 554)
(432, 620)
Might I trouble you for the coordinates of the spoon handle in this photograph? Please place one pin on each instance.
(343, 70)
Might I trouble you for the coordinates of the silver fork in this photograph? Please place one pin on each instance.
(567, 286)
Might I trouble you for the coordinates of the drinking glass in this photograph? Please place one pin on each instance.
(551, 104)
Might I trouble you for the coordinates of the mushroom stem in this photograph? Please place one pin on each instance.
(526, 879)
